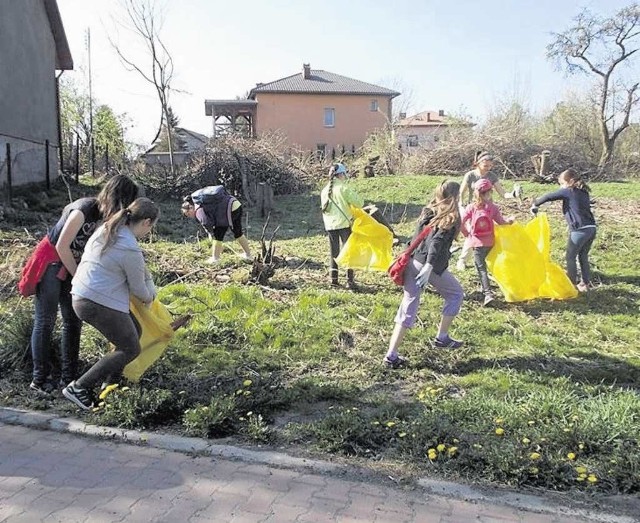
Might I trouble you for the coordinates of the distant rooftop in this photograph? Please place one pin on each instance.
(431, 119)
(317, 81)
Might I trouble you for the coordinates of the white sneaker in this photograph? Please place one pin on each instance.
(211, 261)
(247, 257)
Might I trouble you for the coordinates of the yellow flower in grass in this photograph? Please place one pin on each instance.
(452, 451)
(592, 478)
(441, 447)
(499, 421)
(571, 456)
(499, 431)
(108, 390)
(247, 383)
(581, 470)
(580, 478)
(390, 423)
(432, 454)
(534, 456)
(526, 441)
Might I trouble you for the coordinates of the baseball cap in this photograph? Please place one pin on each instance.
(483, 185)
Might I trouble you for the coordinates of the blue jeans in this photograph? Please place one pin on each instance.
(480, 258)
(51, 293)
(578, 246)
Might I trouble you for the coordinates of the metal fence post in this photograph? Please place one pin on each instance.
(9, 181)
(46, 159)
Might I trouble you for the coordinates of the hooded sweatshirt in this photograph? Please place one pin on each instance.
(109, 278)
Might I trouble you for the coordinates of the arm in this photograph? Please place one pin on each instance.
(466, 216)
(464, 188)
(497, 186)
(138, 278)
(353, 197)
(440, 242)
(560, 194)
(499, 219)
(72, 226)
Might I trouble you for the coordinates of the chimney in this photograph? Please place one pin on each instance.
(306, 71)
(441, 112)
(428, 116)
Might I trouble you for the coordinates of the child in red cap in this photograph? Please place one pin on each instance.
(477, 226)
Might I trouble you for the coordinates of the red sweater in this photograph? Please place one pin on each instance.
(44, 255)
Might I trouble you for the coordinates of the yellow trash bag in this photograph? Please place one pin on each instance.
(520, 263)
(370, 245)
(157, 332)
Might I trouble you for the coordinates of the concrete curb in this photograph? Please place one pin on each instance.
(203, 447)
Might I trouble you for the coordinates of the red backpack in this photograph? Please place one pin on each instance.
(481, 222)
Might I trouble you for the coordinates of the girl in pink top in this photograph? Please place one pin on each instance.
(477, 225)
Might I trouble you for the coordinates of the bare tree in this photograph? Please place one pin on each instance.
(601, 47)
(145, 22)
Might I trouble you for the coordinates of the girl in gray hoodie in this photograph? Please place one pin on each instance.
(112, 269)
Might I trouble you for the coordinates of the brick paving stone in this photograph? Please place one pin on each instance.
(68, 478)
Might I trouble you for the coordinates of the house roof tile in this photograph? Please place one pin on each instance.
(321, 82)
(430, 119)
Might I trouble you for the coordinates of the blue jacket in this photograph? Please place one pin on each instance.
(576, 206)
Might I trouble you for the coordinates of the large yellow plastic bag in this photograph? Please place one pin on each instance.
(157, 332)
(370, 245)
(557, 284)
(521, 265)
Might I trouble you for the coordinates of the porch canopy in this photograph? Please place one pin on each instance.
(232, 116)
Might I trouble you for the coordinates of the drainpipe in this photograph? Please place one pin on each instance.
(59, 118)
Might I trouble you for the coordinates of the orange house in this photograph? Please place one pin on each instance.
(316, 110)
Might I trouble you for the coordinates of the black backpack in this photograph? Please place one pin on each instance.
(210, 195)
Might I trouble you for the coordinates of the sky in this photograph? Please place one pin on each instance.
(461, 56)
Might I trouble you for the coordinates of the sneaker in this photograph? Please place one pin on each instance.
(81, 397)
(447, 343)
(395, 363)
(246, 257)
(583, 287)
(488, 299)
(461, 265)
(45, 389)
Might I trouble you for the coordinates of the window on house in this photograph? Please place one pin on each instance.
(374, 105)
(412, 140)
(329, 117)
(321, 151)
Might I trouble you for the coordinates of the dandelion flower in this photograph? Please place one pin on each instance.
(581, 470)
(499, 431)
(499, 421)
(534, 455)
(526, 441)
(247, 383)
(571, 456)
(592, 478)
(580, 478)
(452, 451)
(390, 423)
(441, 447)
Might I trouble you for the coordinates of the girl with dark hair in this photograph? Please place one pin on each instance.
(112, 270)
(429, 264)
(48, 274)
(336, 199)
(576, 207)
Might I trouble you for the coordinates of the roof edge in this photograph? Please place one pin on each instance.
(64, 60)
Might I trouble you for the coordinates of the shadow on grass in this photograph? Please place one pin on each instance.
(583, 367)
(599, 301)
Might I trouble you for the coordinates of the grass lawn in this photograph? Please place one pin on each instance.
(544, 393)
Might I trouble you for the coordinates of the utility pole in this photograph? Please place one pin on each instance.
(91, 142)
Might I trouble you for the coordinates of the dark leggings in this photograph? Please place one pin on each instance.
(120, 328)
(336, 237)
(480, 258)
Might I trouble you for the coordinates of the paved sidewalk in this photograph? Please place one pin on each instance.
(50, 476)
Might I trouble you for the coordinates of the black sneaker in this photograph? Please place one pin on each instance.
(395, 363)
(45, 389)
(447, 343)
(81, 397)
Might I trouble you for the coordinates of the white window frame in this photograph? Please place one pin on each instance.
(329, 117)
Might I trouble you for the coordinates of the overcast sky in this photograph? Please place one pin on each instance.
(456, 55)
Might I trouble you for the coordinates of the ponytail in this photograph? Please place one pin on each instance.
(329, 194)
(575, 180)
(140, 209)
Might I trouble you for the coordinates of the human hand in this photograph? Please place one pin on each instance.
(510, 220)
(423, 276)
